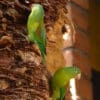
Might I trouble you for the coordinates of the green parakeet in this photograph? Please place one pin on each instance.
(61, 79)
(36, 28)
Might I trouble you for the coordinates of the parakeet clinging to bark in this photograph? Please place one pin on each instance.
(36, 28)
(61, 79)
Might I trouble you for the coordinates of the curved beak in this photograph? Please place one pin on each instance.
(78, 76)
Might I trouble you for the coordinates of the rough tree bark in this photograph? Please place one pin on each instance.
(22, 74)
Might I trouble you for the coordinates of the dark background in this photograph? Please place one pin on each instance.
(96, 84)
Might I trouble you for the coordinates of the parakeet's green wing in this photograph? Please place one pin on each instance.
(43, 33)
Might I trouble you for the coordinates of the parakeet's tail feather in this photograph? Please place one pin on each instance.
(62, 93)
(34, 38)
(42, 50)
(43, 34)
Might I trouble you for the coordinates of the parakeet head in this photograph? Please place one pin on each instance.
(37, 7)
(73, 71)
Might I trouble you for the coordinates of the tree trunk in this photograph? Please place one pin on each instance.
(23, 76)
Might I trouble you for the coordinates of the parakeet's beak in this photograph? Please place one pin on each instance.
(78, 76)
